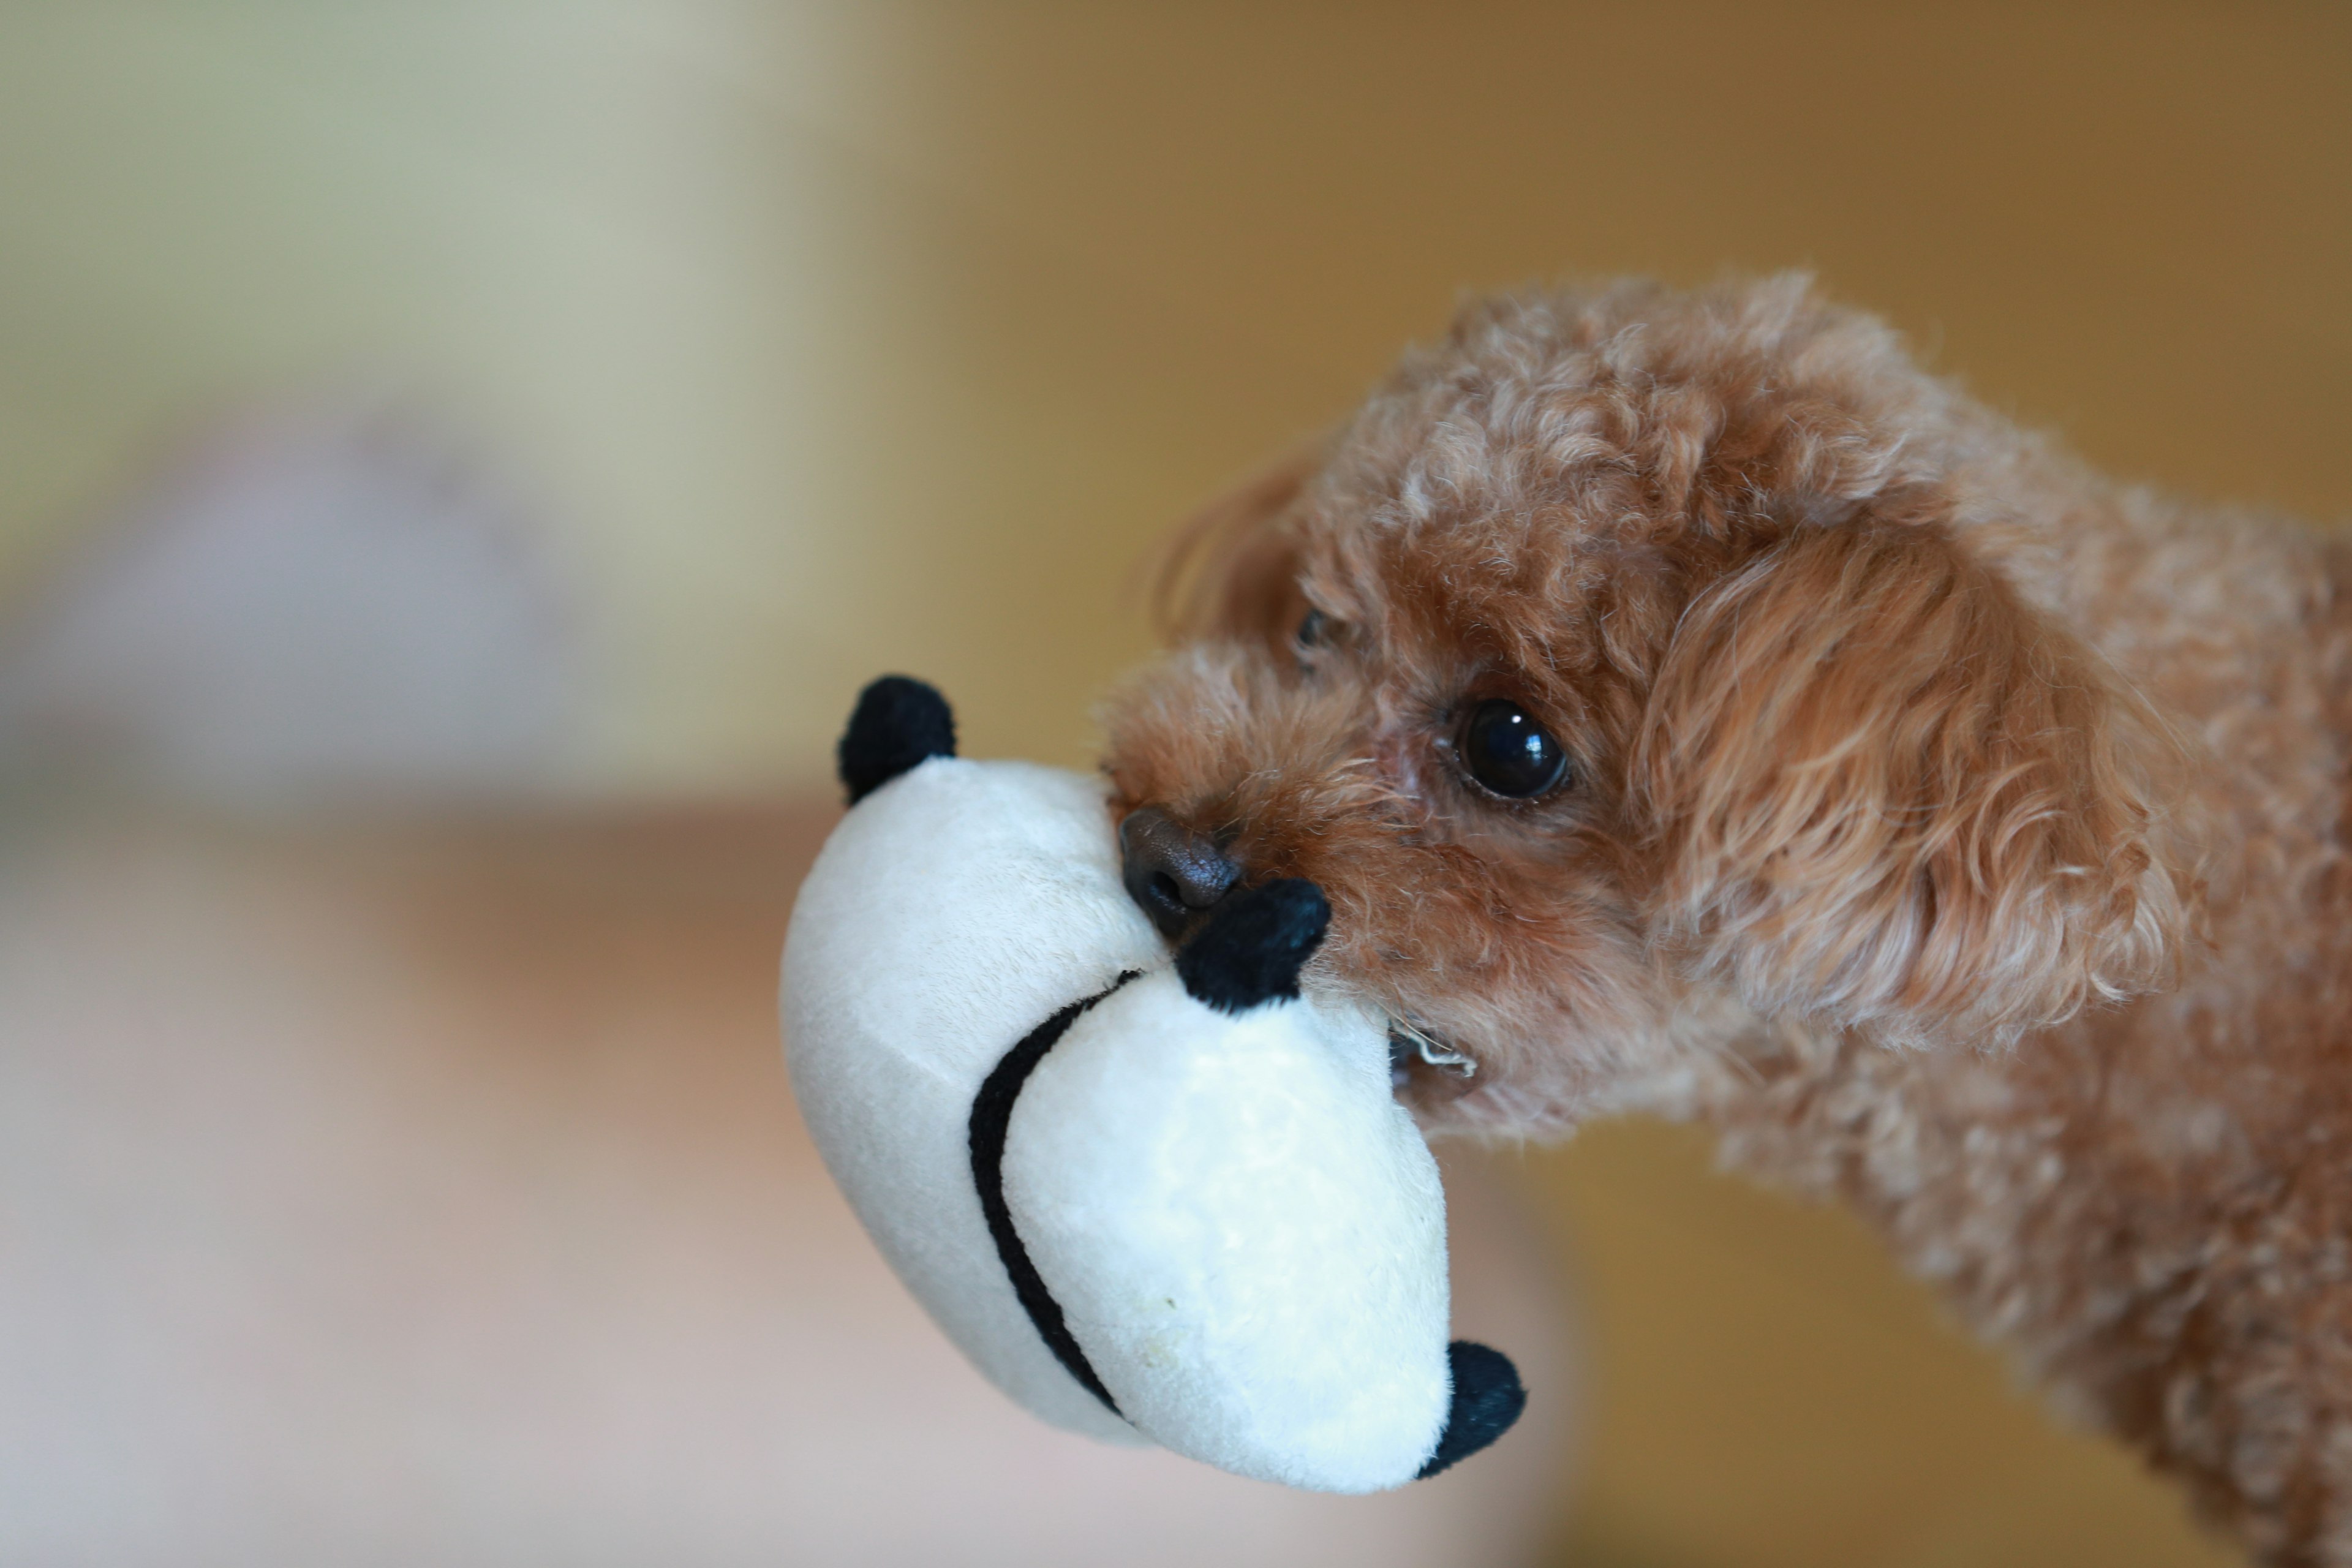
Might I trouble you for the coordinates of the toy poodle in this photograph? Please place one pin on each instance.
(1688, 705)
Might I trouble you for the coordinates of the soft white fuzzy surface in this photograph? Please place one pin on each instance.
(955, 909)
(1244, 1230)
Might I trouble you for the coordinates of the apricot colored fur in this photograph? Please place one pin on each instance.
(1958, 831)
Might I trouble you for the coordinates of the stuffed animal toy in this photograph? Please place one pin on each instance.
(1153, 1195)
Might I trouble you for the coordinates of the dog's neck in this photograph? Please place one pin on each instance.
(2148, 1205)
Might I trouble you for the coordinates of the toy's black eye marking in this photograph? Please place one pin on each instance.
(1315, 630)
(1506, 751)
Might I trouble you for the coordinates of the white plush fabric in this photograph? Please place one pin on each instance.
(955, 909)
(1244, 1232)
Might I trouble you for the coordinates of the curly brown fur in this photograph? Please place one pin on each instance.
(1961, 833)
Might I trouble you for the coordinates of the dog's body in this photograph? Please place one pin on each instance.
(1961, 833)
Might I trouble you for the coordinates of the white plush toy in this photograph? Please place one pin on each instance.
(1153, 1197)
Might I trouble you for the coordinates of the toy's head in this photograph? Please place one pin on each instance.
(1153, 1194)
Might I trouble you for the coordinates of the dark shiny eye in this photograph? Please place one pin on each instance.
(1508, 752)
(1314, 629)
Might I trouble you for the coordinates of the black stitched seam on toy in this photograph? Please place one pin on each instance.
(991, 1121)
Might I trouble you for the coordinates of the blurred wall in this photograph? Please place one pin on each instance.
(838, 339)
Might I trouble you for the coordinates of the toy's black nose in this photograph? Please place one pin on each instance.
(1251, 949)
(1173, 872)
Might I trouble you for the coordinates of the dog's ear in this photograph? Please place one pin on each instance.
(1888, 794)
(1229, 570)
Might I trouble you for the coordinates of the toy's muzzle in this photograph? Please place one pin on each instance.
(1168, 1200)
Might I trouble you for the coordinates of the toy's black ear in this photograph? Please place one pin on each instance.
(898, 723)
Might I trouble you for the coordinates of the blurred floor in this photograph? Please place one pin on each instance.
(433, 1194)
(1766, 1392)
(839, 339)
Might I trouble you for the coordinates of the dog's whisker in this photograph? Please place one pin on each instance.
(1407, 1039)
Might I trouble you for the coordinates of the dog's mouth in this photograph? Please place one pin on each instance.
(1414, 1051)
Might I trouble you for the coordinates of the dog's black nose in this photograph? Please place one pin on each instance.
(1172, 872)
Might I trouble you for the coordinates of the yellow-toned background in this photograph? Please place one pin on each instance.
(885, 336)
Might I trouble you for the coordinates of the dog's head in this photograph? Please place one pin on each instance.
(1639, 664)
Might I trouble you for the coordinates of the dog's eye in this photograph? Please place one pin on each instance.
(1314, 629)
(1508, 752)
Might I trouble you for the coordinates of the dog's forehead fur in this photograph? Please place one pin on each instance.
(1544, 488)
(1636, 416)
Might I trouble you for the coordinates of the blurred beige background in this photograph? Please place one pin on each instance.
(831, 339)
(845, 338)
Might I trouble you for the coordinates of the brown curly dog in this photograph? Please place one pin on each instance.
(1688, 705)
